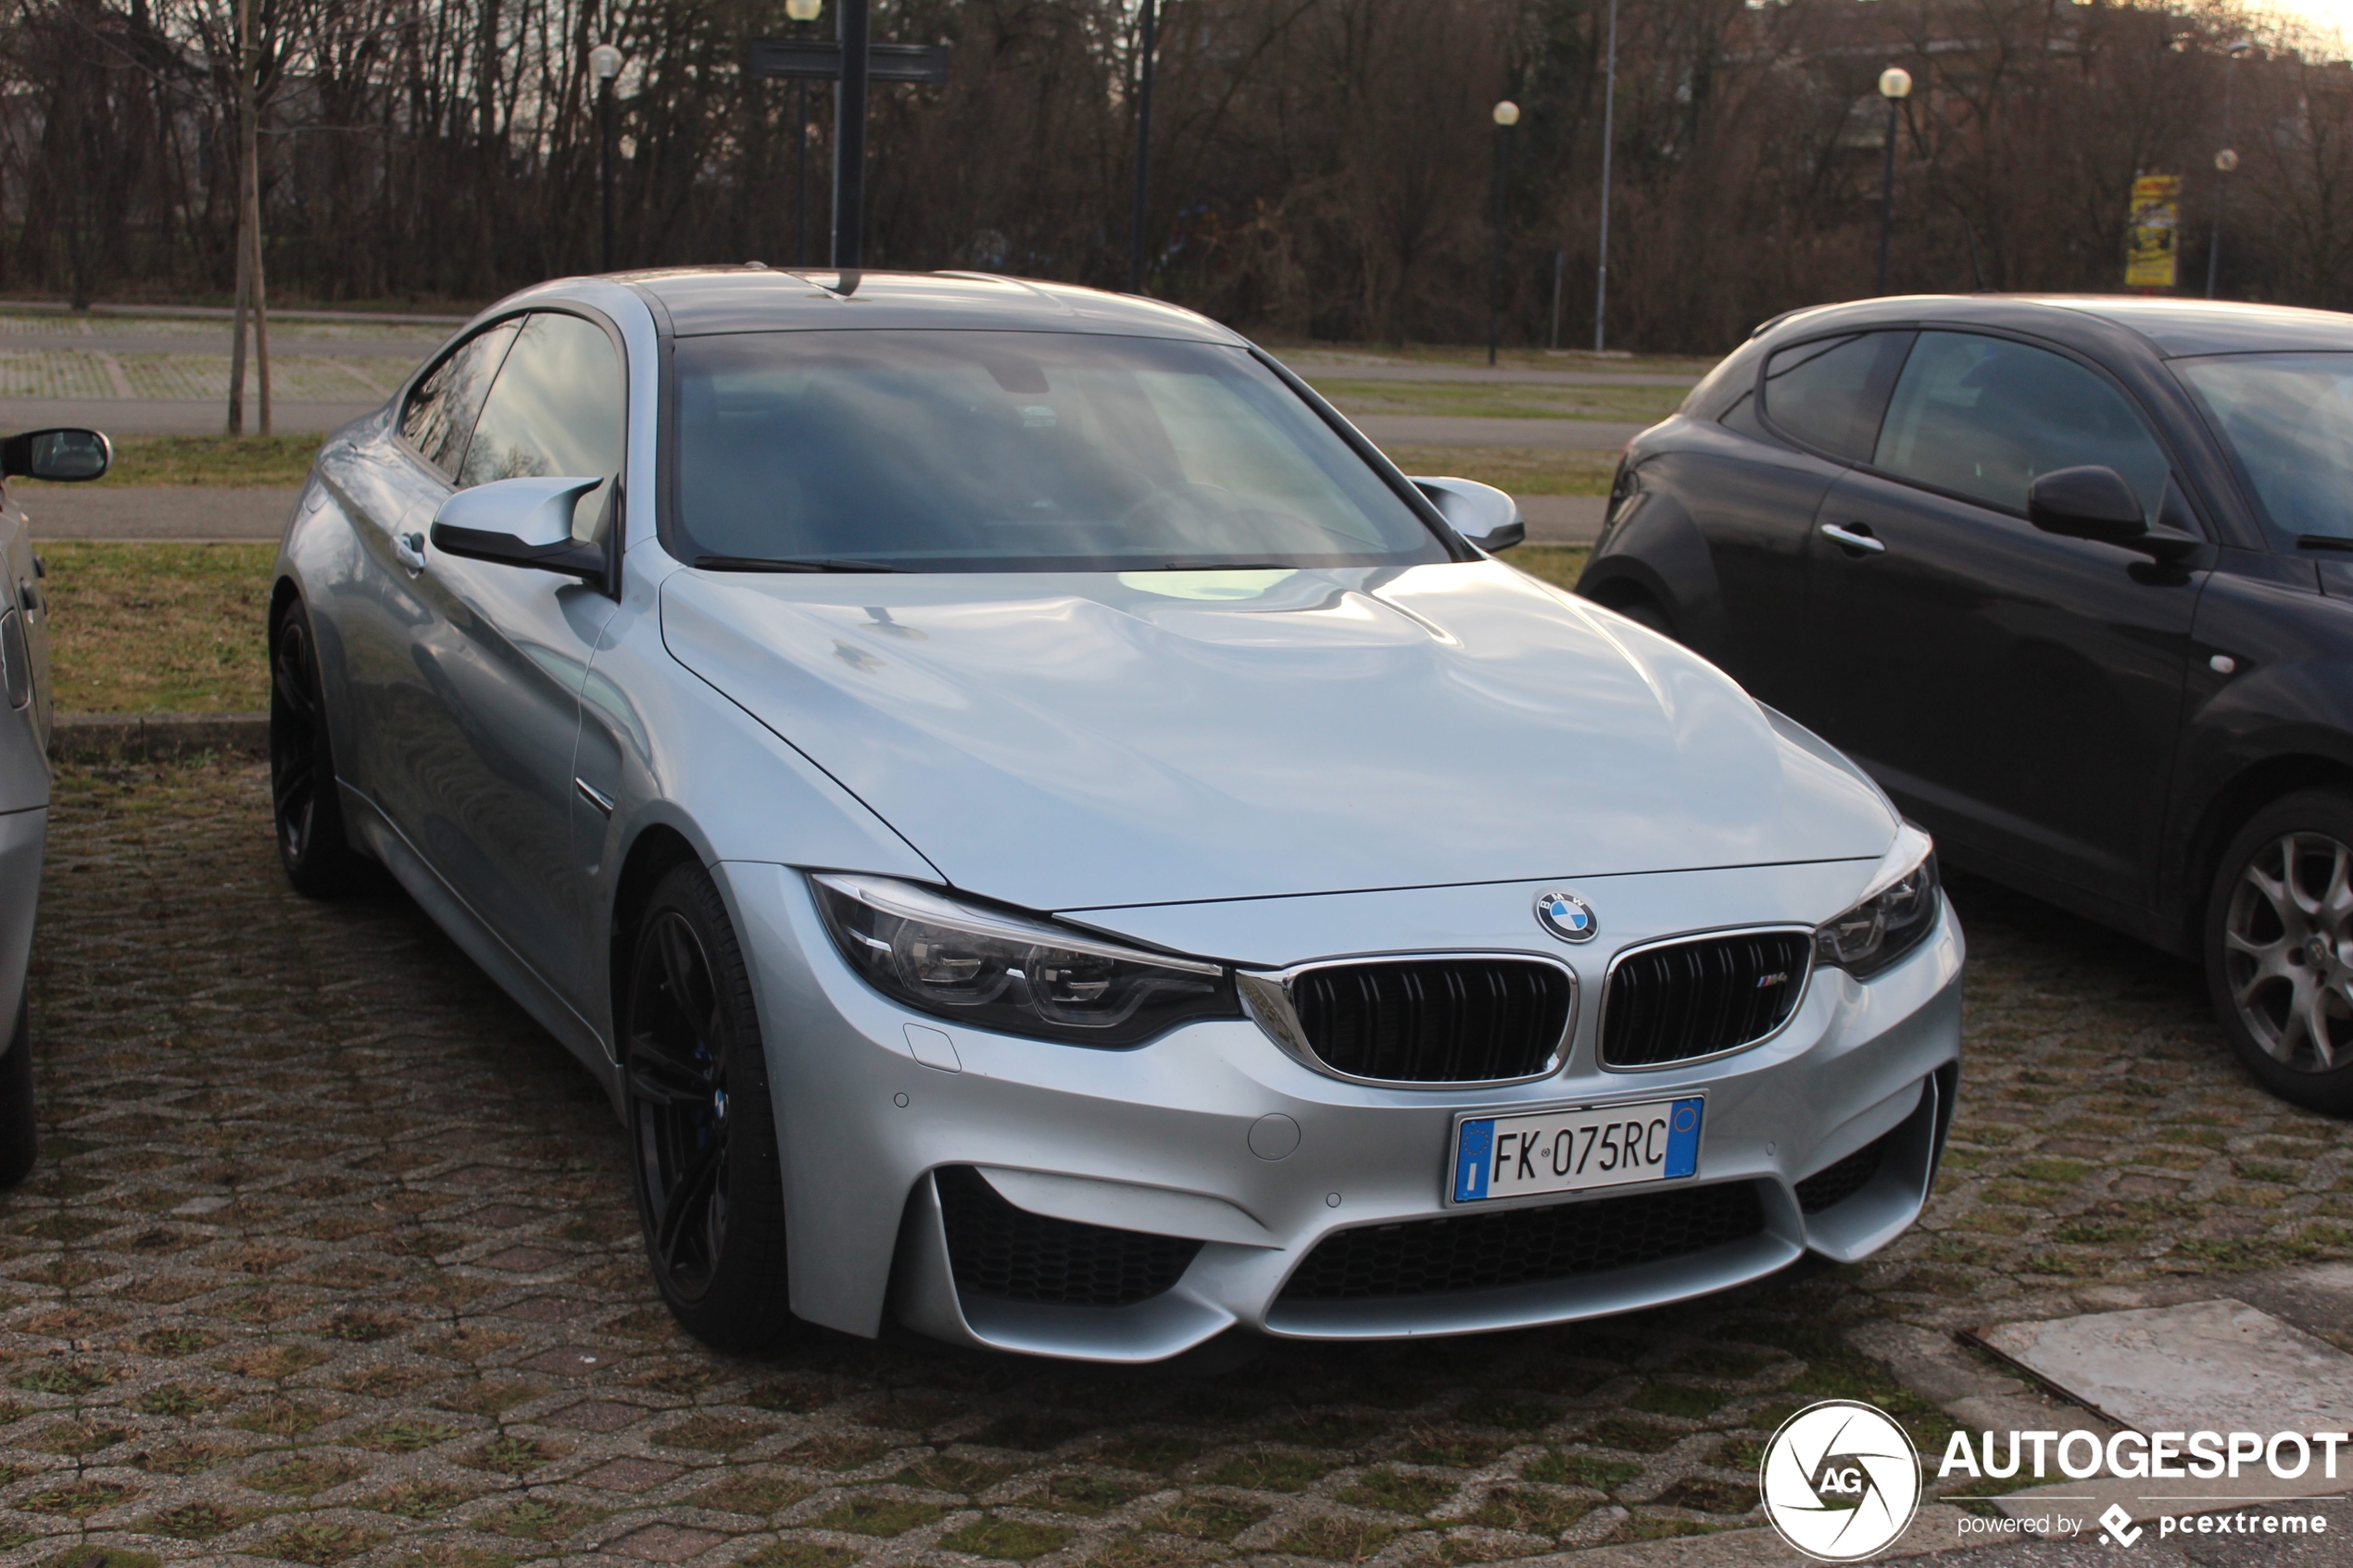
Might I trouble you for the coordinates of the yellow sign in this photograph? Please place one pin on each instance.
(2157, 216)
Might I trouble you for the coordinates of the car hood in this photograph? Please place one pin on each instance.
(1066, 741)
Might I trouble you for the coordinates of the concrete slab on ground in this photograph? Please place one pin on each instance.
(188, 514)
(176, 416)
(2219, 1365)
(1454, 429)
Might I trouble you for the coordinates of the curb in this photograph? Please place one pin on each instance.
(124, 736)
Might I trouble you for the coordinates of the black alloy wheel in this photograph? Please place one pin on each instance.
(701, 1126)
(312, 845)
(2279, 949)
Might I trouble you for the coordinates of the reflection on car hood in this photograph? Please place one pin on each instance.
(1062, 741)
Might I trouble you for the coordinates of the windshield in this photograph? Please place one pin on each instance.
(962, 451)
(2289, 417)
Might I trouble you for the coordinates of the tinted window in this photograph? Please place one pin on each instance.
(1829, 393)
(984, 451)
(2289, 416)
(556, 409)
(440, 414)
(1982, 416)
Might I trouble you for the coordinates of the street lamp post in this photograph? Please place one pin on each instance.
(803, 13)
(604, 64)
(2224, 162)
(1506, 115)
(1609, 119)
(1145, 47)
(1894, 86)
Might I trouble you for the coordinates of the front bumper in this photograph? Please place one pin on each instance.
(1174, 1138)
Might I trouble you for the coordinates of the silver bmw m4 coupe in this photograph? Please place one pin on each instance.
(1045, 834)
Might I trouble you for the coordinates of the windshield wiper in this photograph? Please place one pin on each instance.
(767, 563)
(1217, 566)
(2323, 542)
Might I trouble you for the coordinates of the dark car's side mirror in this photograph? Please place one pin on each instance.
(1480, 513)
(67, 455)
(2090, 502)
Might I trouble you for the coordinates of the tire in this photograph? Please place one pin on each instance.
(18, 1140)
(702, 1129)
(2278, 944)
(306, 809)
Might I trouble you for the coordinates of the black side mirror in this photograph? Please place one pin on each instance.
(1480, 513)
(66, 456)
(2095, 502)
(2090, 502)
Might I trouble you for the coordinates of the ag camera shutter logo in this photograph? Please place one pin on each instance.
(1839, 1481)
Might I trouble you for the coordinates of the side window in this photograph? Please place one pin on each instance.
(440, 414)
(556, 409)
(1983, 416)
(1829, 392)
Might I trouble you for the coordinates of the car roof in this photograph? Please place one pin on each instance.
(703, 300)
(2175, 328)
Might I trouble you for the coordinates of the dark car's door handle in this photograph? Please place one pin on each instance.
(1851, 539)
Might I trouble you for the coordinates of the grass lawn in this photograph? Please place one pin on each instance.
(158, 627)
(1523, 470)
(222, 460)
(1311, 356)
(1558, 564)
(1639, 405)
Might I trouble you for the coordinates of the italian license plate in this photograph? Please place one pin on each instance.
(1575, 1150)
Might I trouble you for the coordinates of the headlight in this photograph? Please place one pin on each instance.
(1019, 975)
(1897, 910)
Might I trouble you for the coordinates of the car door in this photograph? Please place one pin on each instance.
(2019, 693)
(488, 695)
(1753, 501)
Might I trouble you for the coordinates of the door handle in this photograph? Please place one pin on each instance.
(1854, 541)
(410, 548)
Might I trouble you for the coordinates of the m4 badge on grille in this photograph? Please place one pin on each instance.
(1566, 916)
(1573, 1150)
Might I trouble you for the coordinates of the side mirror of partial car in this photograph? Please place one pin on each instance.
(2090, 502)
(2095, 502)
(67, 455)
(1480, 513)
(520, 522)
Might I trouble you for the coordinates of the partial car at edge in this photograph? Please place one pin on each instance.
(2072, 578)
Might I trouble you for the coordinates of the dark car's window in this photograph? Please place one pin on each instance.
(2289, 419)
(1829, 392)
(440, 413)
(555, 409)
(1983, 416)
(988, 451)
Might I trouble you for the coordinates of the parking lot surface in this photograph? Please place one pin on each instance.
(332, 1257)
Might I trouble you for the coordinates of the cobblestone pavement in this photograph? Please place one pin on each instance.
(331, 1259)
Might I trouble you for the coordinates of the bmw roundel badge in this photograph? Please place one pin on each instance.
(1566, 916)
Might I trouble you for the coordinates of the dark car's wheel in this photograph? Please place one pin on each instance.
(1643, 610)
(16, 1137)
(701, 1129)
(2279, 949)
(312, 846)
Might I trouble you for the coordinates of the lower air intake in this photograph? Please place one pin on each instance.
(1833, 1185)
(1525, 1245)
(998, 1250)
